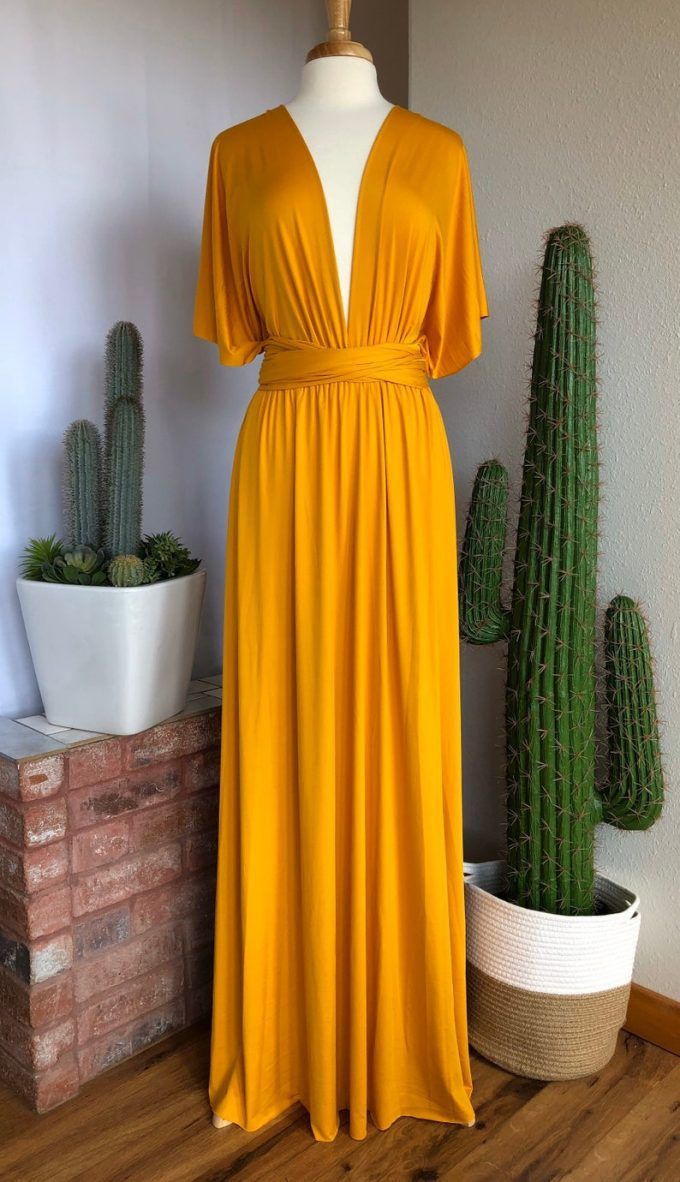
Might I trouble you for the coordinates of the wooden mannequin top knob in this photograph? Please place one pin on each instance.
(339, 42)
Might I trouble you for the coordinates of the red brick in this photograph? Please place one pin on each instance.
(99, 760)
(15, 956)
(39, 776)
(48, 912)
(112, 1048)
(102, 843)
(30, 916)
(202, 770)
(54, 1087)
(174, 820)
(11, 824)
(173, 739)
(14, 997)
(51, 956)
(200, 850)
(126, 961)
(33, 824)
(199, 929)
(112, 884)
(156, 1025)
(44, 822)
(16, 1077)
(179, 899)
(130, 1000)
(198, 967)
(37, 960)
(9, 777)
(32, 870)
(103, 802)
(51, 1000)
(98, 932)
(36, 1050)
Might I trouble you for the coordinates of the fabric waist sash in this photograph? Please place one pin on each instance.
(289, 363)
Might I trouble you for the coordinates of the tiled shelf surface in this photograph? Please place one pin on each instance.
(34, 735)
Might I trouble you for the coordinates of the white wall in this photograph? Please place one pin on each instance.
(570, 113)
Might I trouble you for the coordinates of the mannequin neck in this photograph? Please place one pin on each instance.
(340, 83)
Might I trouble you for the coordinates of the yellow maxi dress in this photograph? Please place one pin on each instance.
(339, 976)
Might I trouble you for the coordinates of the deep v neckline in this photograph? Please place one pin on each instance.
(345, 320)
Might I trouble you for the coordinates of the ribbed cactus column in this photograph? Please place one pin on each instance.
(124, 439)
(633, 798)
(550, 699)
(83, 456)
(483, 619)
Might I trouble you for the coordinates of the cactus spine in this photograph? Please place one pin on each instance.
(553, 804)
(124, 439)
(83, 449)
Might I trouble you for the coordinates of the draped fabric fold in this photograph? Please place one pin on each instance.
(289, 363)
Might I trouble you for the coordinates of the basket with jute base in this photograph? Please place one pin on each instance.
(551, 944)
(547, 994)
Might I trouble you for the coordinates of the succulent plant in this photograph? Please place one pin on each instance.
(553, 800)
(38, 553)
(81, 565)
(166, 557)
(126, 570)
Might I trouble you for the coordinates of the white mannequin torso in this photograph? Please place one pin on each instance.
(339, 111)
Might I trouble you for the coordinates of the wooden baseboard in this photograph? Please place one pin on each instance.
(654, 1017)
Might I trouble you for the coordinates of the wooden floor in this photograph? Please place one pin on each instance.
(149, 1120)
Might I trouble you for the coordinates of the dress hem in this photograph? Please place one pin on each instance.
(270, 1114)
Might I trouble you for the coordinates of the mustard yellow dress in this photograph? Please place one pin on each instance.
(339, 976)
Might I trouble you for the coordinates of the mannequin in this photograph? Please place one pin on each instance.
(339, 110)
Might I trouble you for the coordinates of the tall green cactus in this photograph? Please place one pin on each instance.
(124, 440)
(82, 484)
(124, 459)
(103, 492)
(124, 357)
(553, 802)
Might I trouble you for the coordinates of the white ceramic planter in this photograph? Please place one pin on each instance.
(547, 994)
(112, 659)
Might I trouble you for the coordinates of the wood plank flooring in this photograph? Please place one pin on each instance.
(148, 1120)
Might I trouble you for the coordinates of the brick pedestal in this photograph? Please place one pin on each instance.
(107, 881)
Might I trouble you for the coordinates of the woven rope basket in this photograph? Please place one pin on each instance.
(547, 994)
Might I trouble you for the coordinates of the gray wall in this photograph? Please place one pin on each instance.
(570, 113)
(108, 112)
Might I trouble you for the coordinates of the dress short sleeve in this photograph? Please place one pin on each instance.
(457, 305)
(224, 311)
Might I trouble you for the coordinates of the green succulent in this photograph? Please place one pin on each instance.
(166, 557)
(38, 553)
(151, 571)
(80, 566)
(126, 570)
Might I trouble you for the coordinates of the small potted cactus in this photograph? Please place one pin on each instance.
(551, 943)
(111, 616)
